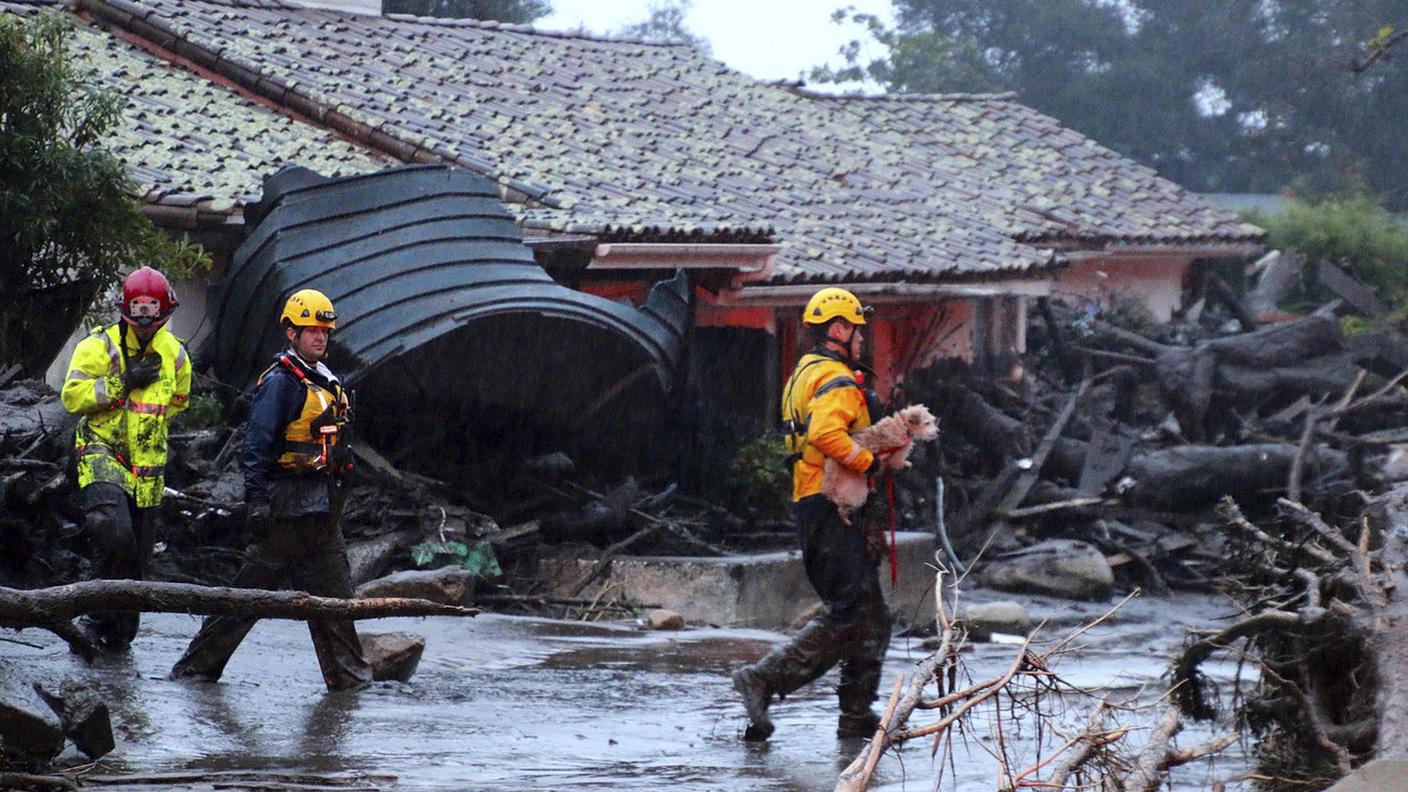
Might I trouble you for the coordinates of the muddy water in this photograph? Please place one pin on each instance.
(503, 703)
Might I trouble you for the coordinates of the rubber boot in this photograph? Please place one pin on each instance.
(860, 675)
(859, 724)
(756, 698)
(811, 652)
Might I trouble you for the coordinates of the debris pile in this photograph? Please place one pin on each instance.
(1126, 441)
(394, 520)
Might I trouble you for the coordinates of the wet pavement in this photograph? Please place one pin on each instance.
(507, 703)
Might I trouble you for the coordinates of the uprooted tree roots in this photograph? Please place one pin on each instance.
(1098, 755)
(1325, 635)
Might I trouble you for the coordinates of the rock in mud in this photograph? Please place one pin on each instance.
(29, 732)
(1059, 567)
(448, 585)
(83, 715)
(662, 619)
(984, 619)
(393, 656)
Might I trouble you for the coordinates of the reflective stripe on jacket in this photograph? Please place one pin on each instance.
(121, 436)
(823, 403)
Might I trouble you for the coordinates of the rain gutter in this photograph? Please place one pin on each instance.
(748, 259)
(888, 292)
(1222, 250)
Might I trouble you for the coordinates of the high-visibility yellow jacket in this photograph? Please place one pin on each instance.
(822, 404)
(121, 437)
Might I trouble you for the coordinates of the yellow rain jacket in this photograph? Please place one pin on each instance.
(121, 437)
(821, 405)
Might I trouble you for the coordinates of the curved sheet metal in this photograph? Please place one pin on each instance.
(446, 325)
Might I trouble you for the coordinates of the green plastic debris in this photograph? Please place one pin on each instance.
(478, 558)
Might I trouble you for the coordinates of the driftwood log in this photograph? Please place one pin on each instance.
(1002, 438)
(1204, 382)
(53, 608)
(1195, 476)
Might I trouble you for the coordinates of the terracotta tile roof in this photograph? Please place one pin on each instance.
(628, 138)
(1036, 179)
(190, 142)
(599, 132)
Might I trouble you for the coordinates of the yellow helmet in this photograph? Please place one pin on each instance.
(309, 308)
(831, 303)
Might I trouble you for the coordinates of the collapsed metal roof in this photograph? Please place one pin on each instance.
(446, 325)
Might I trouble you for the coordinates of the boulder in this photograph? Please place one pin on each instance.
(1380, 775)
(448, 585)
(1058, 567)
(29, 732)
(393, 656)
(662, 619)
(83, 715)
(984, 619)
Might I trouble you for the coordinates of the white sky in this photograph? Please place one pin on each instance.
(767, 39)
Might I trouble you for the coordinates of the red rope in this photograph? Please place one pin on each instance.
(894, 550)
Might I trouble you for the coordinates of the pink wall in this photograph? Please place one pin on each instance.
(1157, 281)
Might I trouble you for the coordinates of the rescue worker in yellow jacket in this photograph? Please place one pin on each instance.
(823, 402)
(294, 455)
(126, 381)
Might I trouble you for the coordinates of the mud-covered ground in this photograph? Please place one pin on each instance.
(506, 703)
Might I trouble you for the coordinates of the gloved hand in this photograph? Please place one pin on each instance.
(876, 465)
(340, 459)
(142, 372)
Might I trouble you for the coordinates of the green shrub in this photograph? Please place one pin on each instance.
(758, 481)
(203, 410)
(1351, 231)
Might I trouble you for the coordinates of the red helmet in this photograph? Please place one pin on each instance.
(147, 298)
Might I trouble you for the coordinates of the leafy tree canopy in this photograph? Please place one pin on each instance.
(1350, 231)
(68, 221)
(514, 11)
(66, 206)
(666, 23)
(1219, 95)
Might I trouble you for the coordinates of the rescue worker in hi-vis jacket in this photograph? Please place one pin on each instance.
(823, 402)
(126, 381)
(294, 453)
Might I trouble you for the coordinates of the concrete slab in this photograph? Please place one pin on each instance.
(766, 590)
(1380, 775)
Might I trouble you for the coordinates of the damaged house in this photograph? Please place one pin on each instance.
(624, 162)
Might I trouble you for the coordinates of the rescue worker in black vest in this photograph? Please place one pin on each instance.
(822, 403)
(126, 381)
(293, 457)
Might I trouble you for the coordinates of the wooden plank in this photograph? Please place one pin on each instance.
(1031, 475)
(1360, 297)
(1108, 454)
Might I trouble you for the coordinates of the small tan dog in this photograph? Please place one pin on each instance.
(894, 437)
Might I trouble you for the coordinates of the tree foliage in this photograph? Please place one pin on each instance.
(1220, 95)
(515, 11)
(1350, 231)
(666, 23)
(66, 206)
(68, 221)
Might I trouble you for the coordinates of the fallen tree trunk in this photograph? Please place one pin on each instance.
(1202, 383)
(41, 607)
(1000, 437)
(1196, 476)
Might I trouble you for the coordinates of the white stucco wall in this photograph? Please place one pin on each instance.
(1156, 281)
